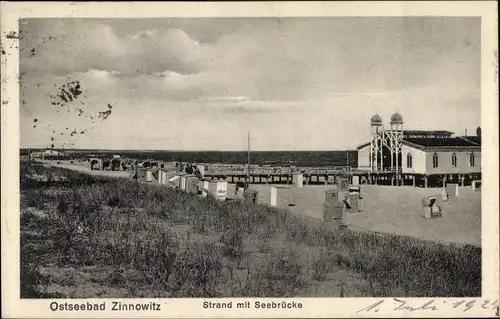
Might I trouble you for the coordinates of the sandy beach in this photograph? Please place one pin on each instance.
(398, 210)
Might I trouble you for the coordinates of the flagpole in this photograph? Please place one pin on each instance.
(248, 157)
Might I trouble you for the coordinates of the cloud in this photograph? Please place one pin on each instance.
(310, 73)
(260, 58)
(245, 105)
(64, 46)
(80, 45)
(233, 64)
(386, 93)
(224, 99)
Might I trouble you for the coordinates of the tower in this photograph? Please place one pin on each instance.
(394, 139)
(375, 143)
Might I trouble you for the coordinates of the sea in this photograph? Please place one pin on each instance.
(273, 158)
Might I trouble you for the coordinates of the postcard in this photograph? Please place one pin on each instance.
(250, 159)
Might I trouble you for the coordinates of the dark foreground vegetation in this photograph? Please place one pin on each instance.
(87, 236)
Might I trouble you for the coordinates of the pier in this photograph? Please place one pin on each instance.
(329, 176)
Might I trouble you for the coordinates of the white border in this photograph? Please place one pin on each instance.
(13, 306)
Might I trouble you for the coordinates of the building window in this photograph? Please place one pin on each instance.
(409, 160)
(471, 160)
(454, 160)
(435, 160)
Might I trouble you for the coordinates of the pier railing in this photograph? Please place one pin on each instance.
(335, 170)
(385, 171)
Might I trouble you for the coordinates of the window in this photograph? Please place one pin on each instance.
(435, 160)
(471, 160)
(409, 160)
(454, 160)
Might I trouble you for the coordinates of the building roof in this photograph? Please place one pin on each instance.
(419, 133)
(376, 119)
(445, 142)
(363, 145)
(473, 139)
(436, 142)
(396, 118)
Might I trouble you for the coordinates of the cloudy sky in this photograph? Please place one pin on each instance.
(294, 83)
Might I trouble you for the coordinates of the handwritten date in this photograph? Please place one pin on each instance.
(397, 304)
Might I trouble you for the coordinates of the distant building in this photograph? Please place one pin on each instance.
(423, 153)
(51, 152)
(47, 154)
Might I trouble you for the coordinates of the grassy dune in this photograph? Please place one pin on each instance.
(93, 236)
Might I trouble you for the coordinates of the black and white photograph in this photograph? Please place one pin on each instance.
(233, 158)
